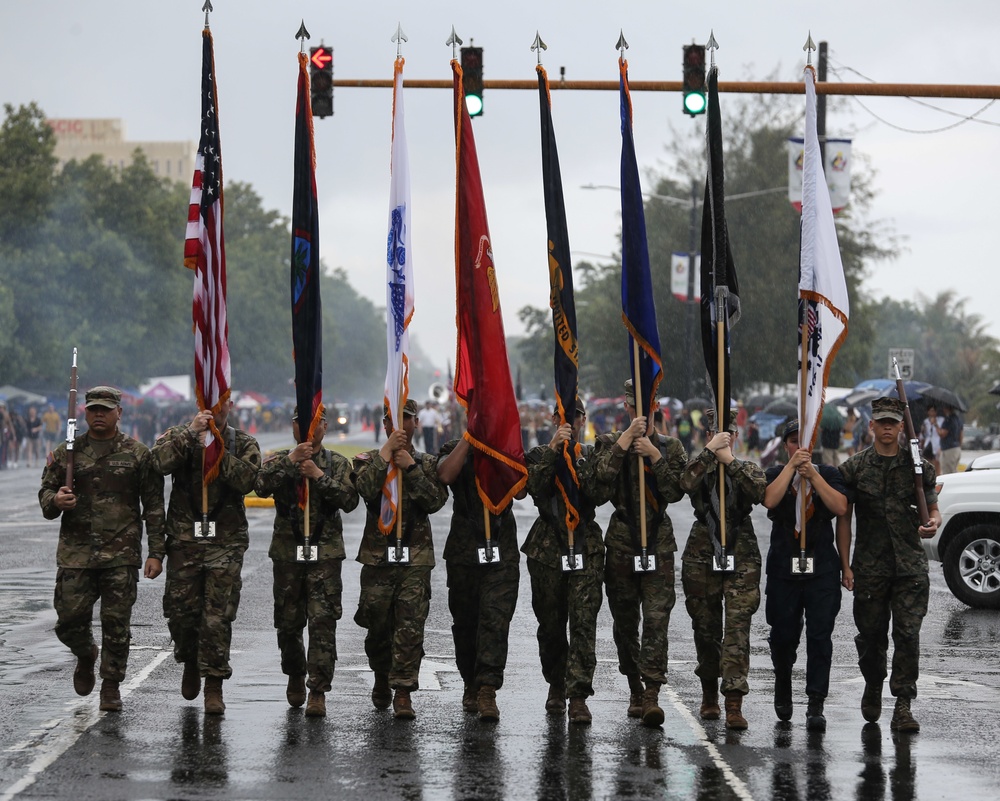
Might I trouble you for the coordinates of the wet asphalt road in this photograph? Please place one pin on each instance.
(55, 745)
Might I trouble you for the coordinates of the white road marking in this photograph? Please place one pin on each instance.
(67, 731)
(732, 779)
(428, 673)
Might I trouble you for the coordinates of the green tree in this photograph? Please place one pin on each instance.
(27, 166)
(952, 347)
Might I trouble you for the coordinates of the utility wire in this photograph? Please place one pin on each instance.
(963, 118)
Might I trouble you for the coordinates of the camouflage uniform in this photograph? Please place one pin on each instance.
(308, 592)
(203, 575)
(889, 564)
(564, 598)
(395, 599)
(482, 598)
(723, 648)
(99, 549)
(639, 597)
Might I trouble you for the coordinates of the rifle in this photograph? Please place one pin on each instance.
(71, 424)
(911, 435)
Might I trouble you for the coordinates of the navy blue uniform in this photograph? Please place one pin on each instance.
(792, 596)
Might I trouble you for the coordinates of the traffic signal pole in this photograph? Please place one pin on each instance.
(966, 91)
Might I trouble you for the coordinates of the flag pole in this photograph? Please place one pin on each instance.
(721, 308)
(643, 544)
(803, 494)
(489, 539)
(204, 488)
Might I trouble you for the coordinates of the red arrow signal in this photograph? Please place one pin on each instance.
(321, 57)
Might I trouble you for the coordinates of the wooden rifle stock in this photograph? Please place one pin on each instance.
(914, 444)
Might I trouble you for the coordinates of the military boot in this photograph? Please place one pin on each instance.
(783, 693)
(402, 708)
(578, 710)
(214, 705)
(815, 719)
(470, 700)
(902, 719)
(381, 692)
(652, 715)
(190, 681)
(83, 675)
(635, 690)
(734, 711)
(556, 701)
(316, 706)
(111, 698)
(488, 709)
(296, 691)
(871, 702)
(709, 700)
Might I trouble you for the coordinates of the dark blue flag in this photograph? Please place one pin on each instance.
(638, 310)
(307, 314)
(563, 304)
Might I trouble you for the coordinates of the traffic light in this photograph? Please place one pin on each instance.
(694, 79)
(321, 80)
(472, 79)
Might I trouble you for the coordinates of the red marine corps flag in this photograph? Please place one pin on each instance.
(205, 253)
(482, 373)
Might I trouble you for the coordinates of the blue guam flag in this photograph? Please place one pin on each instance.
(638, 311)
(563, 305)
(307, 316)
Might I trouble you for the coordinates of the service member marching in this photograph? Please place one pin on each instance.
(204, 563)
(642, 595)
(888, 573)
(561, 596)
(308, 592)
(790, 595)
(100, 537)
(722, 639)
(396, 588)
(482, 595)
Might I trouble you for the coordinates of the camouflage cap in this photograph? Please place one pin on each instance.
(322, 413)
(410, 408)
(888, 409)
(791, 427)
(581, 407)
(629, 393)
(709, 417)
(108, 397)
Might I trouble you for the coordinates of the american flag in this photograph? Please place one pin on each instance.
(205, 253)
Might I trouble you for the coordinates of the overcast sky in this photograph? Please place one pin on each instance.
(140, 61)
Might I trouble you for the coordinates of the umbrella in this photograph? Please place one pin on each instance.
(995, 389)
(831, 418)
(782, 407)
(859, 397)
(756, 402)
(913, 390)
(697, 403)
(945, 396)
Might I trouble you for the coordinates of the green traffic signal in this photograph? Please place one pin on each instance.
(472, 79)
(694, 103)
(693, 65)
